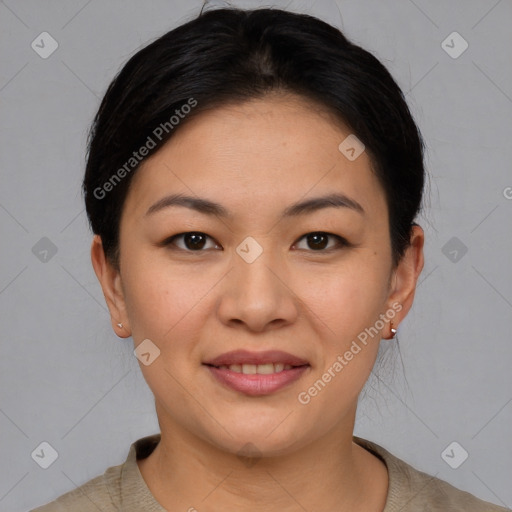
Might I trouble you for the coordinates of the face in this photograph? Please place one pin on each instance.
(267, 291)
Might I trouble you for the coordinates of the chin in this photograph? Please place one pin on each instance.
(259, 436)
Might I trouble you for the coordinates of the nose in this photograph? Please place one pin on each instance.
(258, 296)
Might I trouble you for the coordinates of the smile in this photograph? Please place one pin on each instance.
(260, 369)
(256, 373)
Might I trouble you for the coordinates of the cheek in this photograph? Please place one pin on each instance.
(346, 306)
(153, 304)
(163, 302)
(346, 299)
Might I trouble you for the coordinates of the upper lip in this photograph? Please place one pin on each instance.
(247, 357)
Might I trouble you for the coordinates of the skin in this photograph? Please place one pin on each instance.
(256, 159)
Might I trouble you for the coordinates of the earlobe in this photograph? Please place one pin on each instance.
(110, 281)
(405, 278)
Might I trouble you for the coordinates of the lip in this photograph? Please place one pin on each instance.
(256, 384)
(247, 357)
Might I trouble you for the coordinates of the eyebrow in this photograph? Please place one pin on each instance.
(208, 207)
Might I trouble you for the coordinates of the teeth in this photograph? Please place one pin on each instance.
(265, 369)
(260, 369)
(249, 369)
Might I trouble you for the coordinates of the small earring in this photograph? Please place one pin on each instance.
(120, 326)
(393, 331)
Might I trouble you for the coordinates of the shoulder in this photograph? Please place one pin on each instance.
(412, 490)
(119, 488)
(96, 494)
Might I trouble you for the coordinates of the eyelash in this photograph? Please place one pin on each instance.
(341, 242)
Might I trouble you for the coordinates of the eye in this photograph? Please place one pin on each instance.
(319, 241)
(193, 241)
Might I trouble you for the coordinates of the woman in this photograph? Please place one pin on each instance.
(252, 182)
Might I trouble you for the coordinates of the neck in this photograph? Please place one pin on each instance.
(332, 473)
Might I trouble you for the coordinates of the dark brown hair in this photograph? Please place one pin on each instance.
(233, 55)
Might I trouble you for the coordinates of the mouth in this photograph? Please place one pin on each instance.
(247, 358)
(256, 369)
(256, 373)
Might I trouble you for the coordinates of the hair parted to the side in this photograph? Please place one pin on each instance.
(227, 56)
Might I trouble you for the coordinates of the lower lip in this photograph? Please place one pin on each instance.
(256, 384)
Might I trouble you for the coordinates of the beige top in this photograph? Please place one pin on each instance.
(123, 488)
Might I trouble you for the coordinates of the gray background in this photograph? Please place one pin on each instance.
(65, 378)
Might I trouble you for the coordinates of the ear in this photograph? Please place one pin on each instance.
(405, 276)
(110, 280)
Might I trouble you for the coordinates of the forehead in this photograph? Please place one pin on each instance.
(263, 152)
